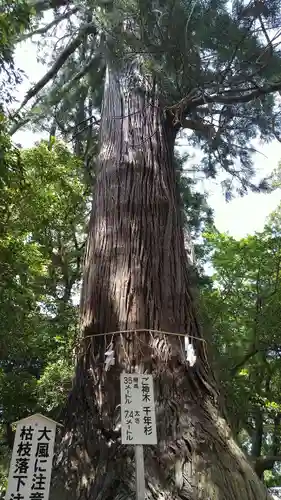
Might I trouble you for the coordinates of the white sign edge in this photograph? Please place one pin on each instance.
(37, 415)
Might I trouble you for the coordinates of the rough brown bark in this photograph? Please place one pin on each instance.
(136, 276)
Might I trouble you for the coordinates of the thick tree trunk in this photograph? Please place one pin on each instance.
(257, 439)
(136, 277)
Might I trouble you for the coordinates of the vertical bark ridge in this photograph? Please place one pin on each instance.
(135, 219)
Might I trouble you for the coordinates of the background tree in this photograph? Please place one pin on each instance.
(42, 230)
(15, 18)
(243, 306)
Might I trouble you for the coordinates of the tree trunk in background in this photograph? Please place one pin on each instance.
(136, 277)
(257, 441)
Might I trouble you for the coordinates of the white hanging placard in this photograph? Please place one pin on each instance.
(138, 422)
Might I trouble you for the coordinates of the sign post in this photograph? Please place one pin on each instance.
(32, 457)
(138, 422)
(140, 479)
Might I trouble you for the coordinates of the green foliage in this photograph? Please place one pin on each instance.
(42, 230)
(17, 393)
(4, 464)
(206, 74)
(43, 212)
(196, 213)
(10, 164)
(54, 385)
(15, 18)
(243, 306)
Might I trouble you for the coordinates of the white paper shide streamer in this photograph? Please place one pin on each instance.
(109, 358)
(189, 352)
(190, 355)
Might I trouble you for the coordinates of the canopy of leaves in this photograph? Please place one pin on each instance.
(219, 78)
(243, 307)
(15, 18)
(42, 229)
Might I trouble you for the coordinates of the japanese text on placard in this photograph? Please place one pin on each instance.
(137, 409)
(31, 463)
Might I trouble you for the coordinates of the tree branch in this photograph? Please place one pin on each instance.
(24, 120)
(18, 125)
(243, 361)
(43, 5)
(265, 463)
(248, 96)
(65, 88)
(227, 97)
(263, 28)
(62, 58)
(198, 125)
(44, 29)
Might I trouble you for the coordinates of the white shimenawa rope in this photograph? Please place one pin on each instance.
(110, 354)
